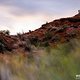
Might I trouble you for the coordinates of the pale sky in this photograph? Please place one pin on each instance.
(24, 15)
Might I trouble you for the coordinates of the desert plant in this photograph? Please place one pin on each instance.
(30, 31)
(48, 36)
(27, 45)
(19, 35)
(45, 44)
(65, 26)
(34, 40)
(2, 47)
(6, 32)
(55, 38)
(27, 48)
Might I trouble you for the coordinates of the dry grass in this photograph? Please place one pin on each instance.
(60, 63)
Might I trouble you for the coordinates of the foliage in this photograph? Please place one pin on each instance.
(45, 44)
(48, 35)
(34, 41)
(59, 63)
(56, 38)
(2, 46)
(19, 35)
(7, 32)
(65, 26)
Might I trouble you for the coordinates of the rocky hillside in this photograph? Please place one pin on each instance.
(58, 31)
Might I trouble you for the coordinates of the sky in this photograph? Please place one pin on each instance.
(23, 15)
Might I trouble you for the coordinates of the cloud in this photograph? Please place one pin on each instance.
(23, 7)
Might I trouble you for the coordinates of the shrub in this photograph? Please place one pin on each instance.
(65, 26)
(19, 35)
(55, 38)
(27, 45)
(30, 31)
(48, 36)
(6, 32)
(2, 47)
(46, 44)
(34, 40)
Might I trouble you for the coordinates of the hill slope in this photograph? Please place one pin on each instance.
(58, 31)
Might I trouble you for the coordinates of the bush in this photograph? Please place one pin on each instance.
(34, 40)
(19, 35)
(46, 44)
(66, 26)
(6, 32)
(48, 36)
(2, 47)
(27, 45)
(55, 38)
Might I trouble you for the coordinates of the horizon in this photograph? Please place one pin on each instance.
(22, 16)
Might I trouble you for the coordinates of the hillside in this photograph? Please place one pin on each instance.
(60, 30)
(49, 34)
(51, 52)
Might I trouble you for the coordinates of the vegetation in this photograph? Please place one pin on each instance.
(34, 58)
(6, 32)
(27, 46)
(59, 63)
(2, 47)
(48, 36)
(45, 44)
(19, 35)
(34, 41)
